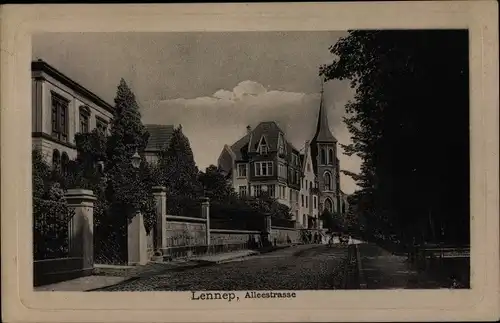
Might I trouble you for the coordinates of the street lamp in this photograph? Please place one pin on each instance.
(136, 160)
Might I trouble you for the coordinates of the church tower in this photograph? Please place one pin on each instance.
(326, 163)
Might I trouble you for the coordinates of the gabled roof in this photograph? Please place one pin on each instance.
(270, 130)
(159, 136)
(249, 143)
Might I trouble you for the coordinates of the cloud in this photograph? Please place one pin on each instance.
(210, 122)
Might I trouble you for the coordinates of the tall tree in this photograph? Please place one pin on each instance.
(178, 168)
(409, 124)
(126, 191)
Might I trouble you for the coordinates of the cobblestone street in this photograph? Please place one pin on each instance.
(300, 267)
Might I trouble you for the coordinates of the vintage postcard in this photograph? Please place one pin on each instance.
(250, 162)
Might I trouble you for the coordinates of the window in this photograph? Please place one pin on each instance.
(291, 196)
(323, 156)
(330, 156)
(343, 208)
(328, 181)
(264, 169)
(56, 159)
(282, 170)
(281, 145)
(297, 177)
(310, 185)
(64, 163)
(263, 149)
(307, 201)
(328, 205)
(306, 184)
(302, 199)
(314, 202)
(271, 190)
(84, 119)
(242, 190)
(257, 190)
(304, 220)
(242, 170)
(295, 160)
(59, 117)
(101, 125)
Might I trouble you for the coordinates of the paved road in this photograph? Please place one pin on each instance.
(296, 268)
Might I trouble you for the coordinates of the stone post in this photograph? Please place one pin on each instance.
(267, 230)
(137, 244)
(205, 214)
(81, 227)
(160, 234)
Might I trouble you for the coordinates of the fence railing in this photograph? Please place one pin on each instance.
(51, 222)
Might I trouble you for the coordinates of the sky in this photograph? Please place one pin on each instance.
(214, 84)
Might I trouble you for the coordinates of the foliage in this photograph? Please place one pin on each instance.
(215, 184)
(415, 162)
(178, 170)
(332, 221)
(51, 213)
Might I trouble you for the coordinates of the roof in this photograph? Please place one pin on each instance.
(159, 136)
(323, 133)
(42, 66)
(248, 143)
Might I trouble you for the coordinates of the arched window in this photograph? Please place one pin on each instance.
(310, 185)
(323, 156)
(330, 156)
(328, 181)
(64, 163)
(56, 159)
(329, 205)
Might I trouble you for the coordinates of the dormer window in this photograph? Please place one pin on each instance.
(281, 145)
(263, 149)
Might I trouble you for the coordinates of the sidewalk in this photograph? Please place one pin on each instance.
(380, 269)
(108, 275)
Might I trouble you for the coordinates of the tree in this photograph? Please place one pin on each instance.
(126, 189)
(331, 221)
(415, 160)
(215, 184)
(179, 174)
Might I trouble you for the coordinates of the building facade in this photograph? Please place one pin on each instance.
(263, 159)
(61, 108)
(308, 181)
(326, 164)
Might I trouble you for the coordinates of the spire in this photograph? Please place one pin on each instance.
(323, 133)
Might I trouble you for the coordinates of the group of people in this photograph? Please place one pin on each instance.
(310, 237)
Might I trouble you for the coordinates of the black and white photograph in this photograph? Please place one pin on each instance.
(272, 162)
(251, 160)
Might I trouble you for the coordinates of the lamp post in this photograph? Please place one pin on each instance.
(136, 160)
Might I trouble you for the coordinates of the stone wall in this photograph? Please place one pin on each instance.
(282, 236)
(185, 231)
(233, 237)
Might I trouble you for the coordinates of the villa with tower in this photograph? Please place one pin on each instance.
(307, 180)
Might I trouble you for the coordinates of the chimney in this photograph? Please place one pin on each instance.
(249, 129)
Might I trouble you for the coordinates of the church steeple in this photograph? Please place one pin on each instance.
(323, 133)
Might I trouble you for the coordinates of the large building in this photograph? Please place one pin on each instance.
(61, 108)
(306, 180)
